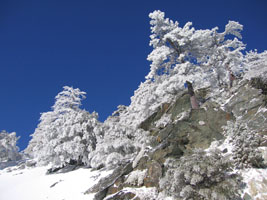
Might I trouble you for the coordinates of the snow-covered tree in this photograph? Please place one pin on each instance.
(245, 143)
(180, 54)
(191, 53)
(8, 147)
(65, 134)
(200, 176)
(256, 65)
(39, 139)
(118, 142)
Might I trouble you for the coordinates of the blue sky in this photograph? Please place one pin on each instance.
(98, 46)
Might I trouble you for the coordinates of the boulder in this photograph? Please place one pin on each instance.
(122, 195)
(154, 173)
(102, 187)
(249, 104)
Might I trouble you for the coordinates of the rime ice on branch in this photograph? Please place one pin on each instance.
(200, 55)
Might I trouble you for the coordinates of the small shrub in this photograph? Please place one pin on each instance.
(245, 144)
(200, 176)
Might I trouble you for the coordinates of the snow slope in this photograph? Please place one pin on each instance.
(33, 184)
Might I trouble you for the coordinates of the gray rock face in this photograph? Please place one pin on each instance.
(246, 104)
(101, 188)
(154, 173)
(257, 188)
(123, 196)
(186, 131)
(263, 151)
(30, 163)
(189, 128)
(259, 84)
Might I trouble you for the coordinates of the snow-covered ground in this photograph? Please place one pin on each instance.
(34, 184)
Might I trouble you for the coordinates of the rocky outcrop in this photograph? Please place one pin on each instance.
(102, 187)
(177, 131)
(121, 195)
(248, 103)
(256, 184)
(186, 130)
(189, 128)
(259, 83)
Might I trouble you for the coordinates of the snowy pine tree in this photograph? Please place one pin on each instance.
(204, 57)
(8, 147)
(116, 142)
(65, 134)
(200, 176)
(191, 54)
(256, 65)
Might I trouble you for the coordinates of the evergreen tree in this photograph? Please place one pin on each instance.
(8, 147)
(66, 133)
(206, 58)
(193, 54)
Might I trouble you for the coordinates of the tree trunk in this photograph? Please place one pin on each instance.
(193, 100)
(231, 79)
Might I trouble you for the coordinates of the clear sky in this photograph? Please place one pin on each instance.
(98, 46)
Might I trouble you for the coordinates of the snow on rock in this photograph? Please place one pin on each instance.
(139, 156)
(256, 183)
(136, 177)
(139, 193)
(201, 123)
(182, 116)
(163, 121)
(31, 184)
(263, 151)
